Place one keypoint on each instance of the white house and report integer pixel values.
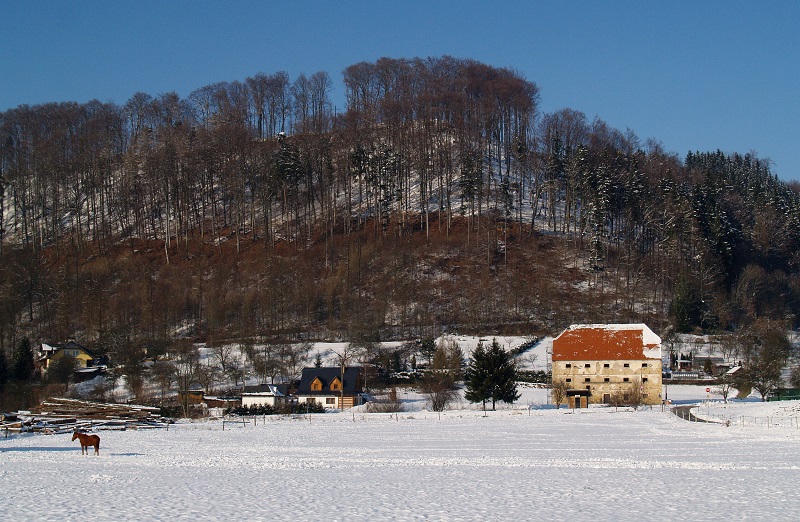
(262, 395)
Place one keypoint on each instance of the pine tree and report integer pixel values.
(3, 370)
(22, 361)
(491, 375)
(476, 378)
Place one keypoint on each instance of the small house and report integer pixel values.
(50, 353)
(333, 387)
(264, 395)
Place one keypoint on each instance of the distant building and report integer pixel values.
(264, 395)
(332, 387)
(601, 363)
(52, 352)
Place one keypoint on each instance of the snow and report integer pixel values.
(518, 463)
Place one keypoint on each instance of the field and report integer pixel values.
(520, 463)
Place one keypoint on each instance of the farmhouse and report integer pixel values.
(333, 387)
(605, 363)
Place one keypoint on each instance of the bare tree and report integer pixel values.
(724, 386)
(558, 391)
(186, 361)
(223, 353)
(163, 374)
(293, 358)
(631, 395)
(439, 381)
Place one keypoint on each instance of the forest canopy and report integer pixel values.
(441, 195)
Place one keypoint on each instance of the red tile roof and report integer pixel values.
(606, 342)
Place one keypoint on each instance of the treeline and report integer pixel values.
(435, 166)
(267, 155)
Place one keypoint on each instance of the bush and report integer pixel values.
(388, 404)
(171, 411)
(533, 376)
(283, 409)
(524, 347)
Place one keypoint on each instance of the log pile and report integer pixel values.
(65, 415)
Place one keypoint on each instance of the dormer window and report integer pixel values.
(316, 384)
(336, 385)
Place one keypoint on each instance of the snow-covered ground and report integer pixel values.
(524, 462)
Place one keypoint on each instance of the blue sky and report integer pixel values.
(694, 75)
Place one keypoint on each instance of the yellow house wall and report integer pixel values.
(82, 358)
(576, 373)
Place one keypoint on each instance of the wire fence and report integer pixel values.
(744, 421)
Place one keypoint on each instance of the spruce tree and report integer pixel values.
(491, 375)
(476, 377)
(3, 370)
(22, 361)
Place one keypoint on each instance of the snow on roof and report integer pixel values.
(263, 390)
(606, 342)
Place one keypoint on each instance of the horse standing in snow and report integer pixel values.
(86, 441)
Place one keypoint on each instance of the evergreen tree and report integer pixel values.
(686, 308)
(491, 375)
(22, 361)
(3, 370)
(476, 378)
(427, 348)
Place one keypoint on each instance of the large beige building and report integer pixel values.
(605, 363)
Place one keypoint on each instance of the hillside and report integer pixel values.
(441, 199)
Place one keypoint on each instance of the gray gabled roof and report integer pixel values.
(265, 390)
(352, 380)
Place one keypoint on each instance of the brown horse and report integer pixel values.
(86, 441)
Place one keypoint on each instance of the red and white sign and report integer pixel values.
(708, 390)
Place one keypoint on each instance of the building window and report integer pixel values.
(606, 365)
(587, 379)
(587, 365)
(644, 379)
(644, 365)
(569, 380)
(568, 365)
(588, 387)
(606, 379)
(330, 400)
(625, 379)
(626, 365)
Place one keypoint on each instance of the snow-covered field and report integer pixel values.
(518, 463)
